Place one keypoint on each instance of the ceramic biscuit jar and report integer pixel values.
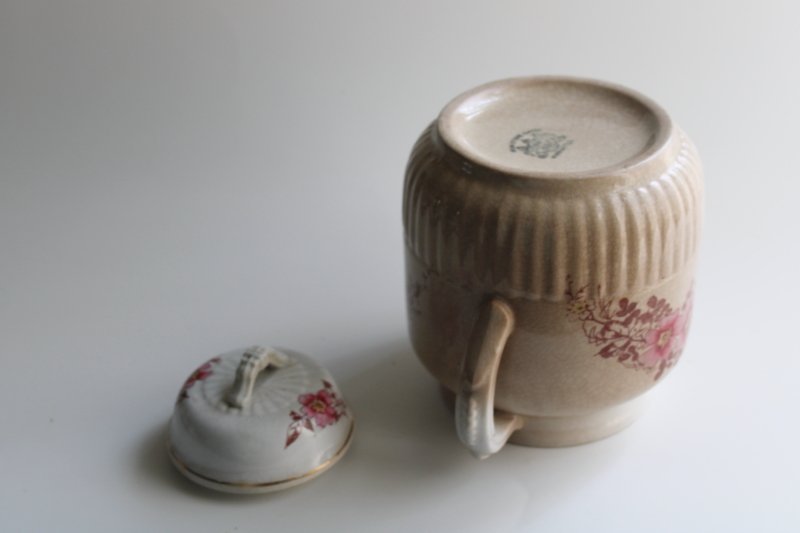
(551, 233)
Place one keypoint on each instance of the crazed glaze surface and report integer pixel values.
(578, 127)
(596, 266)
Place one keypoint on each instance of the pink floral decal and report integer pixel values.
(198, 375)
(649, 337)
(323, 408)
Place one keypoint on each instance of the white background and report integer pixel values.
(179, 178)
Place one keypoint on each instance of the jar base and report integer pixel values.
(560, 431)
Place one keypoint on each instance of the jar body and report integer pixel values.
(597, 272)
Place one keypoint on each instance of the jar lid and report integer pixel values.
(258, 420)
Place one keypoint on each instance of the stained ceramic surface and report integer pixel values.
(551, 229)
(258, 420)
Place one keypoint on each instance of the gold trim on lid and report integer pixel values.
(324, 465)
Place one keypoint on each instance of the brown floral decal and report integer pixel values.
(415, 290)
(320, 409)
(648, 337)
(198, 375)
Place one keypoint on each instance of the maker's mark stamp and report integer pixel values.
(538, 143)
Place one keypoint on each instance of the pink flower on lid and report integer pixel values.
(198, 375)
(323, 408)
(320, 406)
(663, 340)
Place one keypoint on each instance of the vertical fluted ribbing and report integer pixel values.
(578, 259)
(636, 238)
(539, 249)
(617, 243)
(597, 271)
(528, 242)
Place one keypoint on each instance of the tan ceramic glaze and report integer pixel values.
(551, 231)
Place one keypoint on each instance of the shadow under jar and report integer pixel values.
(551, 232)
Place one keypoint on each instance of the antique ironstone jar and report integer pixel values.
(551, 231)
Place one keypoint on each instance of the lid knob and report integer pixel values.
(254, 360)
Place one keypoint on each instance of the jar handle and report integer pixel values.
(482, 430)
(254, 360)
